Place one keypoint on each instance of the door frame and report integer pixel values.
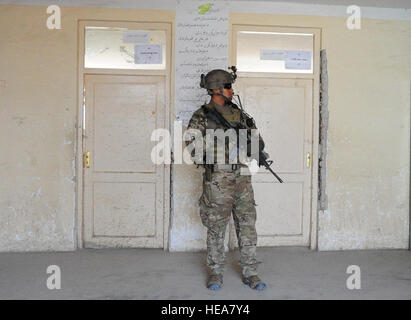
(261, 23)
(166, 25)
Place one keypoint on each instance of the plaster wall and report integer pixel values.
(38, 121)
(369, 72)
(368, 152)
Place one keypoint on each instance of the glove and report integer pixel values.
(266, 155)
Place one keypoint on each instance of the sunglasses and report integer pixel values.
(227, 86)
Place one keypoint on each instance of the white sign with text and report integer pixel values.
(201, 46)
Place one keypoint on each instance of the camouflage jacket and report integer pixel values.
(201, 122)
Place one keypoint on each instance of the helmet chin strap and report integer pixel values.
(227, 100)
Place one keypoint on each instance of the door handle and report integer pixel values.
(308, 159)
(87, 159)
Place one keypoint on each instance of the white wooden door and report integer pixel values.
(283, 110)
(123, 189)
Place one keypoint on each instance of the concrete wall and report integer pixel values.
(368, 147)
(37, 120)
(369, 75)
(368, 140)
(38, 112)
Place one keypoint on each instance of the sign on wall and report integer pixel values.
(294, 59)
(148, 54)
(201, 46)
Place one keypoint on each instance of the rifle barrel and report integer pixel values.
(271, 170)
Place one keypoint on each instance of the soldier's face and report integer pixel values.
(228, 91)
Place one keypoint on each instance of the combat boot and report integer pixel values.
(254, 282)
(215, 281)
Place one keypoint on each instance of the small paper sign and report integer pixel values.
(268, 54)
(298, 60)
(148, 54)
(132, 36)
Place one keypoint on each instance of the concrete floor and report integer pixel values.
(290, 273)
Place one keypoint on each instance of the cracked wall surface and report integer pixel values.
(324, 118)
(368, 147)
(367, 144)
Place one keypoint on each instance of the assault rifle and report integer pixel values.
(216, 116)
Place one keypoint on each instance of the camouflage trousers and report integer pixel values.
(226, 192)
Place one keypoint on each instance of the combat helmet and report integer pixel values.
(216, 79)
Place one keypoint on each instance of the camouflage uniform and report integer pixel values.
(224, 191)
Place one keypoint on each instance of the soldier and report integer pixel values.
(225, 189)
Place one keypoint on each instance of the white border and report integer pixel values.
(269, 7)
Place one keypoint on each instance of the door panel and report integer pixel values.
(118, 117)
(124, 209)
(283, 111)
(123, 188)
